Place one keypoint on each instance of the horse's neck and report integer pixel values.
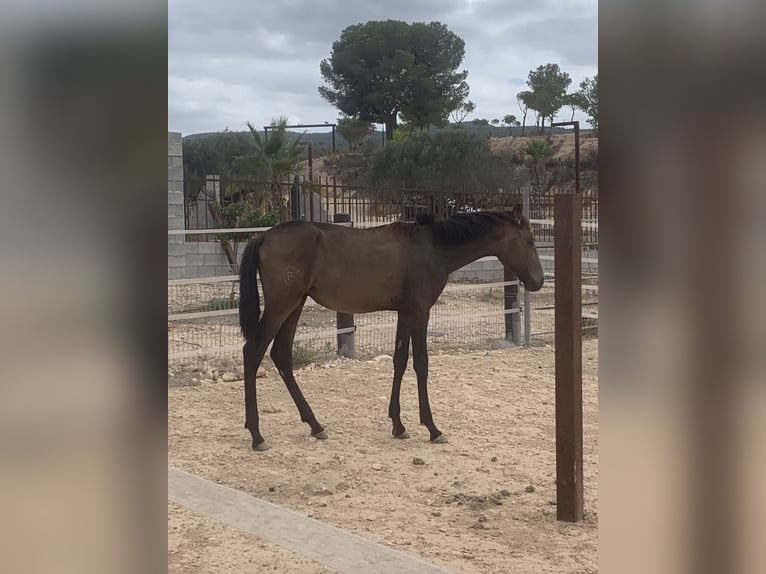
(457, 256)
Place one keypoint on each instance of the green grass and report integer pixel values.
(303, 356)
(222, 304)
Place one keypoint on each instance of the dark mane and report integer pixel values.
(465, 227)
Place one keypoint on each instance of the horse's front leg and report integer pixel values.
(401, 355)
(420, 364)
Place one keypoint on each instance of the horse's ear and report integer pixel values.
(518, 213)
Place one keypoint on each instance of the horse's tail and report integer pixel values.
(249, 298)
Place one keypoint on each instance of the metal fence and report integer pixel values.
(202, 322)
(202, 313)
(320, 199)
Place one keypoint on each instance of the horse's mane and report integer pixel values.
(465, 227)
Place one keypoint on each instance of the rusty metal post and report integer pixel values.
(346, 342)
(311, 180)
(295, 199)
(511, 299)
(567, 213)
(527, 294)
(311, 163)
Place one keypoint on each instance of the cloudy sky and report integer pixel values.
(251, 60)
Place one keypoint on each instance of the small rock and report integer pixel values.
(261, 373)
(383, 358)
(323, 487)
(436, 513)
(493, 459)
(552, 502)
(272, 489)
(530, 488)
(505, 492)
(228, 377)
(377, 466)
(322, 504)
(482, 518)
(442, 529)
(418, 461)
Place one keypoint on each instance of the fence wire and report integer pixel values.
(467, 316)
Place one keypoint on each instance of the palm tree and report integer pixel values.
(539, 152)
(273, 160)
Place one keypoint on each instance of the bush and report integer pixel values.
(444, 159)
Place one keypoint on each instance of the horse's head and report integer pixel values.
(518, 251)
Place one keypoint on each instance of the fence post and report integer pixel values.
(346, 343)
(527, 294)
(512, 320)
(567, 254)
(295, 200)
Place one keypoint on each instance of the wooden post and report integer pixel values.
(346, 343)
(567, 251)
(567, 209)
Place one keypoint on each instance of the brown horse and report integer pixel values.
(401, 267)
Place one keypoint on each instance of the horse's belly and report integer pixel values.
(345, 304)
(356, 295)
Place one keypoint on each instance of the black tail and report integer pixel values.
(249, 298)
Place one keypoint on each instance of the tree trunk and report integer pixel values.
(524, 123)
(390, 127)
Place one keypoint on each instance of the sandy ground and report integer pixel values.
(483, 503)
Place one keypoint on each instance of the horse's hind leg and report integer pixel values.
(420, 364)
(282, 355)
(253, 353)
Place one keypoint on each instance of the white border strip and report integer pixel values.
(469, 286)
(203, 280)
(201, 314)
(550, 223)
(592, 260)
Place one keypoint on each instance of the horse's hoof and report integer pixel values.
(441, 439)
(320, 435)
(403, 434)
(260, 447)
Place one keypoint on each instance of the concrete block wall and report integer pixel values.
(207, 259)
(484, 270)
(176, 248)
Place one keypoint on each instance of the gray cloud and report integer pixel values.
(250, 61)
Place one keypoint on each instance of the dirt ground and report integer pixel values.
(482, 503)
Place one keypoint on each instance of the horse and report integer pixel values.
(401, 266)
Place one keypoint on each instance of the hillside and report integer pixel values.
(347, 167)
